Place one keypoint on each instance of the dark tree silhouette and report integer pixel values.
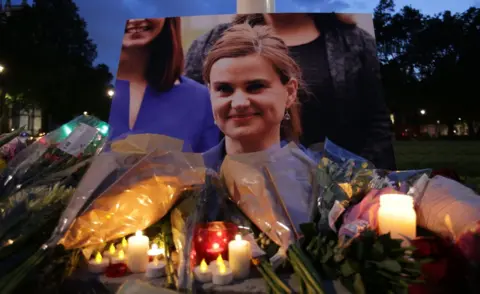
(49, 57)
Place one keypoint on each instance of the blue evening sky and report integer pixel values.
(106, 18)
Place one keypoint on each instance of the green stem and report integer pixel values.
(269, 280)
(304, 272)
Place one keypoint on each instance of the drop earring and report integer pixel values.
(287, 115)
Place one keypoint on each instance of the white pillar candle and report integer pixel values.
(239, 256)
(213, 266)
(98, 264)
(202, 273)
(119, 258)
(155, 269)
(223, 275)
(397, 216)
(255, 6)
(137, 253)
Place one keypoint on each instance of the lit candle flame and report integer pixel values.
(220, 260)
(238, 237)
(215, 246)
(124, 243)
(139, 233)
(98, 258)
(111, 249)
(222, 268)
(154, 246)
(203, 266)
(219, 233)
(121, 255)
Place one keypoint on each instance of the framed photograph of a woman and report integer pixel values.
(342, 100)
(152, 95)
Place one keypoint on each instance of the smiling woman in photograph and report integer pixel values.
(253, 85)
(152, 95)
(342, 100)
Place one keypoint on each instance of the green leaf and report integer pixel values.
(359, 252)
(326, 256)
(346, 269)
(358, 285)
(377, 251)
(385, 274)
(390, 265)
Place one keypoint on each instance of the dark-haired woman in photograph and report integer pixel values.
(343, 99)
(152, 96)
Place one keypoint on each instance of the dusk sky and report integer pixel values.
(106, 18)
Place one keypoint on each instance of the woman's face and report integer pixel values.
(248, 99)
(140, 32)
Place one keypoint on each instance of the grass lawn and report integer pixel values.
(461, 156)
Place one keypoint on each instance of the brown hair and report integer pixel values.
(166, 56)
(243, 40)
(323, 21)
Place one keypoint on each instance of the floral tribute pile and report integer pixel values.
(145, 207)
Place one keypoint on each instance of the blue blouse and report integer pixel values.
(213, 158)
(184, 112)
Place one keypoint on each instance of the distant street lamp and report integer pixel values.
(85, 113)
(438, 122)
(2, 68)
(460, 118)
(110, 93)
(423, 112)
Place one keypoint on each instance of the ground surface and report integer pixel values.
(461, 156)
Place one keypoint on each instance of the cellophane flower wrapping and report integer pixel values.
(274, 189)
(140, 197)
(108, 166)
(451, 210)
(203, 226)
(58, 150)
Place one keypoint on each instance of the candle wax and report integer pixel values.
(397, 216)
(137, 255)
(119, 258)
(98, 264)
(155, 269)
(202, 273)
(239, 255)
(214, 264)
(223, 276)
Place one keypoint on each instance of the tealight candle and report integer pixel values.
(137, 255)
(155, 251)
(119, 258)
(202, 273)
(98, 264)
(155, 269)
(239, 255)
(214, 264)
(123, 245)
(397, 216)
(223, 275)
(111, 251)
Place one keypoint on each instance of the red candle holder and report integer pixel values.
(211, 240)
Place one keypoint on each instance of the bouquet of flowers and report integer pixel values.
(136, 185)
(58, 150)
(30, 211)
